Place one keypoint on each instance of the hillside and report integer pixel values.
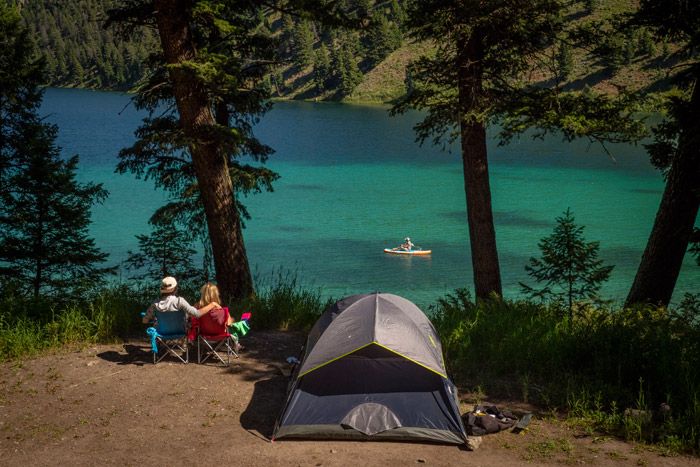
(318, 63)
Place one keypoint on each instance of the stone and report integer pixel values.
(473, 442)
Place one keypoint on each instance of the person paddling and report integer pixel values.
(408, 246)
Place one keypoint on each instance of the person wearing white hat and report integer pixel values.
(169, 301)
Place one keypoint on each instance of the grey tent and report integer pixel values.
(372, 369)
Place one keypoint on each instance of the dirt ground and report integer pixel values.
(109, 404)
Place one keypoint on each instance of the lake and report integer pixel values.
(353, 182)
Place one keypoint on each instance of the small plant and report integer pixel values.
(569, 267)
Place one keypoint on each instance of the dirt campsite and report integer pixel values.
(110, 405)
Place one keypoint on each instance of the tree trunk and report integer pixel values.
(482, 234)
(668, 242)
(215, 187)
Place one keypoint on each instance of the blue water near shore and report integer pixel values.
(354, 182)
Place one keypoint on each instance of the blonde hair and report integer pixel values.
(209, 293)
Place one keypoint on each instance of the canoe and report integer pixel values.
(404, 252)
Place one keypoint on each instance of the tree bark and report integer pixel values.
(663, 257)
(215, 187)
(482, 234)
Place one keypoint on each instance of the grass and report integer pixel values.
(629, 373)
(29, 327)
(283, 303)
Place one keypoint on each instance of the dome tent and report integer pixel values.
(372, 369)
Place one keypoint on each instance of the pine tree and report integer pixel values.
(166, 251)
(20, 95)
(321, 69)
(480, 48)
(565, 61)
(381, 40)
(675, 152)
(287, 35)
(350, 74)
(481, 74)
(695, 245)
(303, 44)
(591, 5)
(569, 267)
(44, 221)
(212, 59)
(397, 14)
(44, 211)
(646, 43)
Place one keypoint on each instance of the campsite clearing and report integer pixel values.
(109, 404)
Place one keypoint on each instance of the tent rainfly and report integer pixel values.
(372, 369)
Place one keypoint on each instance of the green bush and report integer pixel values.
(282, 303)
(31, 326)
(642, 358)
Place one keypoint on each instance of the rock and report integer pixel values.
(473, 442)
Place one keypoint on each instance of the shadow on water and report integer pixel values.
(644, 191)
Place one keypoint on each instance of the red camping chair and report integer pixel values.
(213, 337)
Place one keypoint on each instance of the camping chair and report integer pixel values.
(214, 338)
(170, 336)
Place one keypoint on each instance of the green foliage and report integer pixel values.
(565, 61)
(79, 51)
(302, 40)
(695, 245)
(44, 221)
(20, 95)
(32, 326)
(591, 5)
(283, 303)
(233, 54)
(508, 41)
(349, 72)
(382, 39)
(72, 37)
(44, 211)
(322, 69)
(673, 151)
(569, 268)
(166, 251)
(593, 367)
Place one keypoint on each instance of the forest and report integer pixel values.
(366, 63)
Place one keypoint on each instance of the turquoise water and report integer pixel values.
(354, 182)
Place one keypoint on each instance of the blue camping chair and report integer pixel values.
(170, 337)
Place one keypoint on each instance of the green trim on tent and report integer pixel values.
(395, 434)
(337, 358)
(377, 344)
